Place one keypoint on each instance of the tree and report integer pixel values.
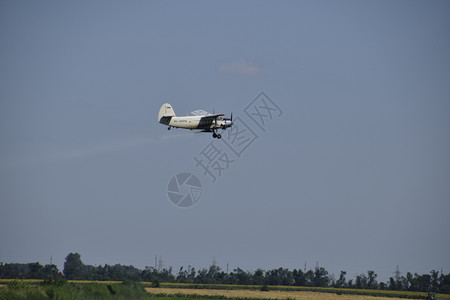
(279, 276)
(182, 276)
(372, 282)
(213, 273)
(309, 278)
(191, 274)
(74, 267)
(350, 284)
(36, 271)
(444, 284)
(239, 276)
(321, 277)
(361, 281)
(392, 285)
(202, 276)
(51, 271)
(15, 271)
(299, 277)
(423, 282)
(434, 281)
(258, 277)
(340, 283)
(149, 274)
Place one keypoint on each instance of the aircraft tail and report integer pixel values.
(165, 113)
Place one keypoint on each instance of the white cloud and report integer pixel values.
(240, 67)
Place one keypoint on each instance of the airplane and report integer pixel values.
(200, 119)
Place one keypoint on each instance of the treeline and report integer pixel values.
(75, 269)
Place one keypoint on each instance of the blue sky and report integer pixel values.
(353, 175)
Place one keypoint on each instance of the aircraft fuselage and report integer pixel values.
(195, 122)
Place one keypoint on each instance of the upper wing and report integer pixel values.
(212, 116)
(205, 114)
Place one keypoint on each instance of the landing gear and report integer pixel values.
(217, 135)
(168, 128)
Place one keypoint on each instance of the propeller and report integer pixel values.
(229, 119)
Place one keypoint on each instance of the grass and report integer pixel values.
(16, 290)
(61, 289)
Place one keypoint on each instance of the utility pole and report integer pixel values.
(397, 274)
(160, 263)
(51, 260)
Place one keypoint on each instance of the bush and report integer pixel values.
(155, 283)
(128, 290)
(264, 288)
(21, 290)
(54, 282)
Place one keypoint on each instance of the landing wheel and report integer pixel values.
(214, 135)
(168, 128)
(219, 136)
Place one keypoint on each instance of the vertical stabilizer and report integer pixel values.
(166, 110)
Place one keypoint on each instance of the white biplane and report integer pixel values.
(200, 119)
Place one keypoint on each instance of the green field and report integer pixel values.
(62, 289)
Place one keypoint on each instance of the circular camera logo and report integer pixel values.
(184, 190)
